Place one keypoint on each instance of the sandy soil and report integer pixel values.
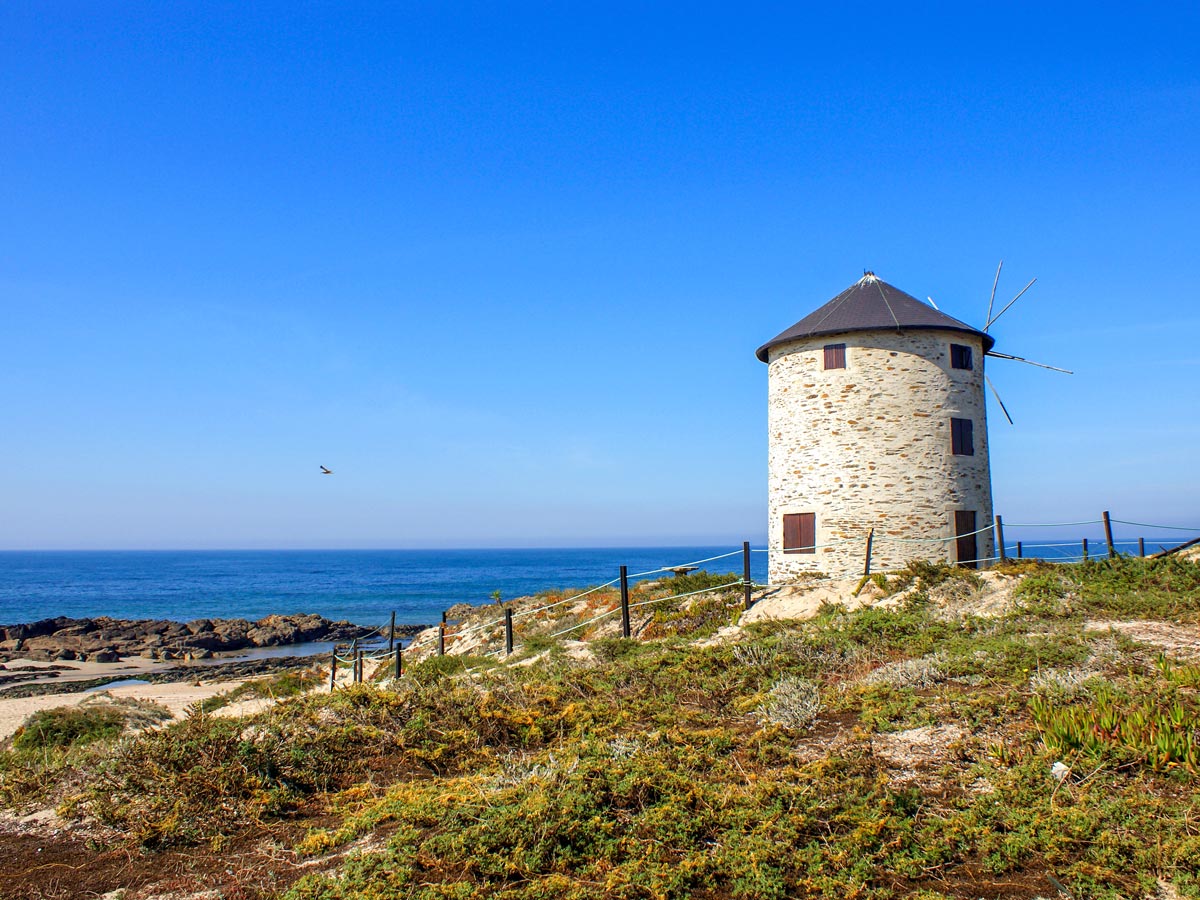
(175, 696)
(803, 601)
(1182, 641)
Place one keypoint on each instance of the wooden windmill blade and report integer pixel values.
(992, 298)
(1028, 362)
(991, 320)
(1003, 408)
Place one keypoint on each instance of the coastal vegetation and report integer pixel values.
(276, 687)
(902, 749)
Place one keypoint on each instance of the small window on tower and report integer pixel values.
(835, 356)
(960, 357)
(962, 437)
(800, 533)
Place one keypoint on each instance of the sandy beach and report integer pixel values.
(175, 696)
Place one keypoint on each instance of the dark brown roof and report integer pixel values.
(871, 305)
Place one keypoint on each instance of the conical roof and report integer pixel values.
(871, 304)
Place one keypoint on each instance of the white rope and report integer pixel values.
(1167, 527)
(599, 587)
(896, 540)
(695, 562)
(688, 594)
(474, 628)
(416, 646)
(1060, 543)
(1052, 524)
(588, 622)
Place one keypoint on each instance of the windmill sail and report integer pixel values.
(992, 299)
(988, 351)
(991, 320)
(1029, 362)
(1003, 408)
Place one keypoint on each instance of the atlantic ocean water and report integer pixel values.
(362, 586)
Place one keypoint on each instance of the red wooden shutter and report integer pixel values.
(799, 532)
(808, 532)
(791, 532)
(835, 356)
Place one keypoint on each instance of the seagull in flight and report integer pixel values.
(325, 471)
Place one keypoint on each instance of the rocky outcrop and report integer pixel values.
(105, 640)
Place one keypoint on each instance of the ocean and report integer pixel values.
(362, 586)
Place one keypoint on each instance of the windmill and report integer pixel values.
(991, 320)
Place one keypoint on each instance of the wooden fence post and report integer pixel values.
(442, 637)
(1112, 550)
(1020, 551)
(625, 630)
(1000, 538)
(392, 632)
(362, 668)
(870, 542)
(333, 669)
(508, 632)
(397, 663)
(1141, 546)
(746, 573)
(1085, 550)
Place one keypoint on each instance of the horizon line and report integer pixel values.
(655, 546)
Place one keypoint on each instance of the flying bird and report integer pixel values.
(325, 471)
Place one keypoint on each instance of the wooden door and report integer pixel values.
(964, 530)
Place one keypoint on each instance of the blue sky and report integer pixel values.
(504, 267)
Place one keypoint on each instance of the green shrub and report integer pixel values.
(700, 580)
(694, 617)
(1123, 587)
(68, 726)
(72, 726)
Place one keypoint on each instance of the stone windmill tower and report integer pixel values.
(876, 420)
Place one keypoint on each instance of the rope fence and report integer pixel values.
(435, 642)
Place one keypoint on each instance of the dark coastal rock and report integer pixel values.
(103, 639)
(40, 628)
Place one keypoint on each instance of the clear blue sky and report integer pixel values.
(503, 267)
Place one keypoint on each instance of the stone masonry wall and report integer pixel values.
(869, 445)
